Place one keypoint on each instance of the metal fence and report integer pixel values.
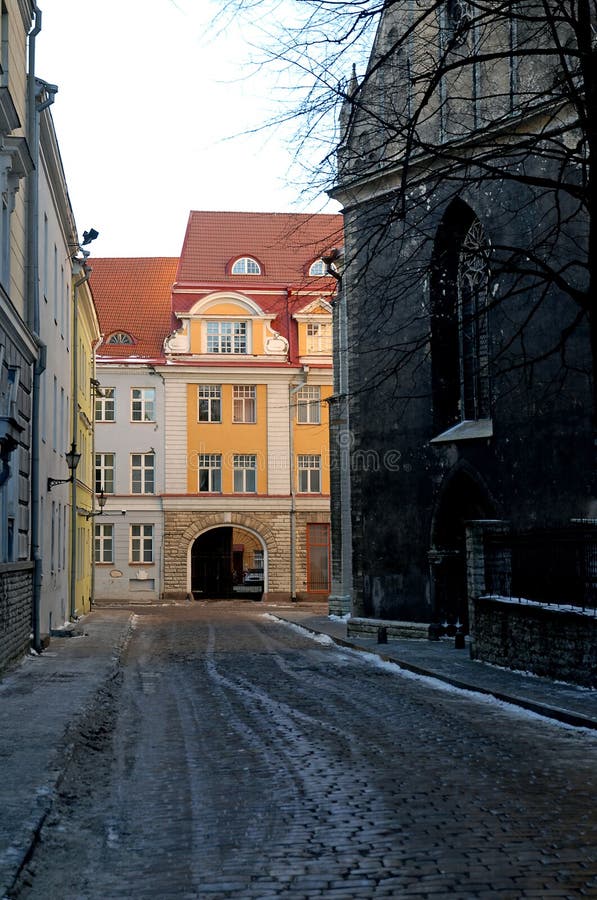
(556, 566)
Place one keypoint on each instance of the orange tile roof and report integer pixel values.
(285, 244)
(133, 294)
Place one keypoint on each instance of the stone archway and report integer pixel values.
(227, 562)
(463, 498)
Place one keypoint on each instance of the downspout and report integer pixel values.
(75, 430)
(33, 322)
(293, 387)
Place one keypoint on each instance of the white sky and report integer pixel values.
(150, 100)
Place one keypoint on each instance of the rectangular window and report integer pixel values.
(244, 403)
(141, 544)
(226, 337)
(142, 473)
(104, 404)
(104, 472)
(309, 474)
(245, 473)
(210, 403)
(318, 558)
(210, 473)
(308, 405)
(319, 337)
(103, 543)
(143, 404)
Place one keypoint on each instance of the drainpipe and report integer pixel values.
(293, 388)
(32, 307)
(75, 430)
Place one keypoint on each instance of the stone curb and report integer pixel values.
(542, 709)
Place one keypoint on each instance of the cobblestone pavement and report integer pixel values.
(235, 757)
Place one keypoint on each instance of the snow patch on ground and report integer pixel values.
(394, 668)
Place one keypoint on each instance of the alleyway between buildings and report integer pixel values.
(233, 756)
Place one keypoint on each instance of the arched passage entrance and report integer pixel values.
(227, 562)
(462, 500)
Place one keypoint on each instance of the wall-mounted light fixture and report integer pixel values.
(72, 460)
(101, 502)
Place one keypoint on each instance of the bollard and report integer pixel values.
(382, 635)
(435, 631)
(459, 641)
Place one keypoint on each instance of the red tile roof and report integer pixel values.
(133, 295)
(284, 244)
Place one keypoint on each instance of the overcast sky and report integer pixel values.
(150, 100)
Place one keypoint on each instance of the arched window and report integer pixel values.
(120, 337)
(459, 337)
(246, 265)
(317, 268)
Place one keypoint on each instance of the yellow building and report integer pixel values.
(232, 425)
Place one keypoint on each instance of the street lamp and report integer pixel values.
(72, 461)
(101, 502)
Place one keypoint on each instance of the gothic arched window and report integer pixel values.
(459, 337)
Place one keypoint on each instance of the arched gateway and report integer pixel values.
(227, 562)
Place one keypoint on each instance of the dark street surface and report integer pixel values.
(234, 756)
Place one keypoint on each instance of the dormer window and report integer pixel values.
(317, 268)
(227, 337)
(246, 265)
(120, 337)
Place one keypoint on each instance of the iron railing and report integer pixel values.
(555, 566)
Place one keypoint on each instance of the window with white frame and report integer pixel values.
(210, 403)
(210, 473)
(103, 551)
(244, 403)
(309, 474)
(142, 473)
(317, 268)
(245, 473)
(104, 472)
(227, 337)
(319, 337)
(246, 265)
(141, 544)
(308, 405)
(104, 404)
(143, 404)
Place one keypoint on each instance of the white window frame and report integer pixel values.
(317, 268)
(105, 467)
(143, 401)
(245, 473)
(105, 405)
(211, 397)
(143, 473)
(209, 466)
(308, 405)
(229, 337)
(141, 544)
(246, 265)
(244, 404)
(309, 473)
(103, 543)
(319, 338)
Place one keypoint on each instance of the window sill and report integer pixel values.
(470, 429)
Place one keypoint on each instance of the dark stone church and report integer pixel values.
(462, 428)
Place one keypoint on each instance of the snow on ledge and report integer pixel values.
(557, 607)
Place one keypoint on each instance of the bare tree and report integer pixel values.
(449, 100)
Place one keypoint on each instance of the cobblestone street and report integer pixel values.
(235, 756)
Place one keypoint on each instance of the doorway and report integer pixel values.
(227, 563)
(463, 500)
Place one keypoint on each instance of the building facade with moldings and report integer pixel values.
(237, 360)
